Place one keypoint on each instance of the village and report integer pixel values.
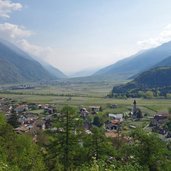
(33, 118)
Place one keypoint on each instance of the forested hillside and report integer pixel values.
(157, 80)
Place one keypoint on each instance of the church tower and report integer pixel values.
(134, 109)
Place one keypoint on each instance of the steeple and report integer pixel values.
(134, 109)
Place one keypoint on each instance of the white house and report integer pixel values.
(116, 116)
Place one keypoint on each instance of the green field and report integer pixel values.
(85, 94)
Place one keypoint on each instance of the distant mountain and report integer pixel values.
(17, 66)
(84, 73)
(155, 79)
(51, 69)
(54, 71)
(164, 63)
(137, 63)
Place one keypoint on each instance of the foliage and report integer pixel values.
(18, 152)
(13, 120)
(72, 148)
(149, 94)
(66, 142)
(148, 150)
(152, 83)
(97, 122)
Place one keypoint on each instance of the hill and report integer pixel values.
(84, 73)
(52, 70)
(137, 63)
(165, 62)
(17, 66)
(157, 80)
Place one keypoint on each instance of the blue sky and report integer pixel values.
(78, 34)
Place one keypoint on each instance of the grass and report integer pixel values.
(85, 94)
(38, 111)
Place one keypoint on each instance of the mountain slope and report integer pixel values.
(17, 66)
(155, 79)
(84, 73)
(52, 70)
(165, 62)
(137, 63)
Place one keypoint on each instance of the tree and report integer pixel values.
(139, 113)
(149, 94)
(97, 122)
(169, 111)
(2, 120)
(13, 120)
(18, 152)
(98, 145)
(62, 150)
(141, 94)
(168, 95)
(149, 151)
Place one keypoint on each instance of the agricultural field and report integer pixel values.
(85, 94)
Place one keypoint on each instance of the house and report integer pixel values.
(158, 123)
(116, 116)
(94, 109)
(27, 118)
(21, 129)
(159, 119)
(48, 110)
(39, 106)
(112, 125)
(83, 112)
(21, 108)
(114, 121)
(168, 135)
(161, 116)
(11, 109)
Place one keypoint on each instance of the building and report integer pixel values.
(21, 108)
(116, 116)
(83, 112)
(94, 109)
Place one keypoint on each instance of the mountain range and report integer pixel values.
(18, 66)
(156, 79)
(136, 64)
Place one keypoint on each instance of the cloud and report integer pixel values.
(6, 7)
(35, 50)
(18, 35)
(163, 37)
(10, 31)
(67, 58)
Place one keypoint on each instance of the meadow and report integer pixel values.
(85, 94)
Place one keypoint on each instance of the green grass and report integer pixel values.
(38, 111)
(85, 94)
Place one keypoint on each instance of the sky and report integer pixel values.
(75, 35)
